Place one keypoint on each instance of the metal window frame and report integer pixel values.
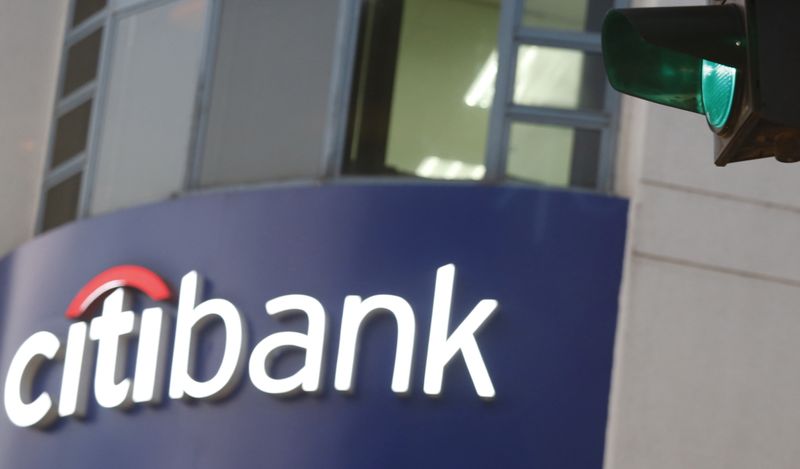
(344, 60)
(499, 125)
(606, 170)
(504, 112)
(205, 85)
(62, 104)
(87, 182)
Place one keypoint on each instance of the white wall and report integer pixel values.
(707, 373)
(31, 34)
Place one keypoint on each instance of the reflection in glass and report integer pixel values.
(433, 167)
(559, 78)
(61, 202)
(553, 155)
(572, 15)
(481, 91)
(546, 77)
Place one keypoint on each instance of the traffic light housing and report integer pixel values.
(736, 62)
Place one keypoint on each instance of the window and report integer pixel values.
(482, 90)
(160, 96)
(145, 127)
(125, 105)
(411, 113)
(156, 97)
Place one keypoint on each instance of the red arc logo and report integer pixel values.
(132, 276)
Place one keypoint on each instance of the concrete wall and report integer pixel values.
(706, 369)
(31, 34)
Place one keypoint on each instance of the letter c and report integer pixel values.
(38, 412)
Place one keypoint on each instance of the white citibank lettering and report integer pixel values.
(117, 324)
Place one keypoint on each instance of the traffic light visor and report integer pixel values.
(642, 69)
(684, 57)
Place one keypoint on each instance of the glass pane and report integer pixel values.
(553, 155)
(429, 117)
(61, 202)
(82, 59)
(147, 121)
(268, 116)
(86, 8)
(72, 130)
(559, 78)
(573, 15)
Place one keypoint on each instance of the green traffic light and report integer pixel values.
(718, 90)
(682, 57)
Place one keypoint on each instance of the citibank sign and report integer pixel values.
(116, 324)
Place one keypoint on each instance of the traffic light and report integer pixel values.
(736, 62)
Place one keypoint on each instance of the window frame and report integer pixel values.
(85, 162)
(79, 163)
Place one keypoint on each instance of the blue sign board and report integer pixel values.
(550, 259)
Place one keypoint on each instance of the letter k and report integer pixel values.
(442, 349)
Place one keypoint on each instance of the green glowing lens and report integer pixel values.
(718, 86)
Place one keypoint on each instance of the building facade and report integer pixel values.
(364, 151)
